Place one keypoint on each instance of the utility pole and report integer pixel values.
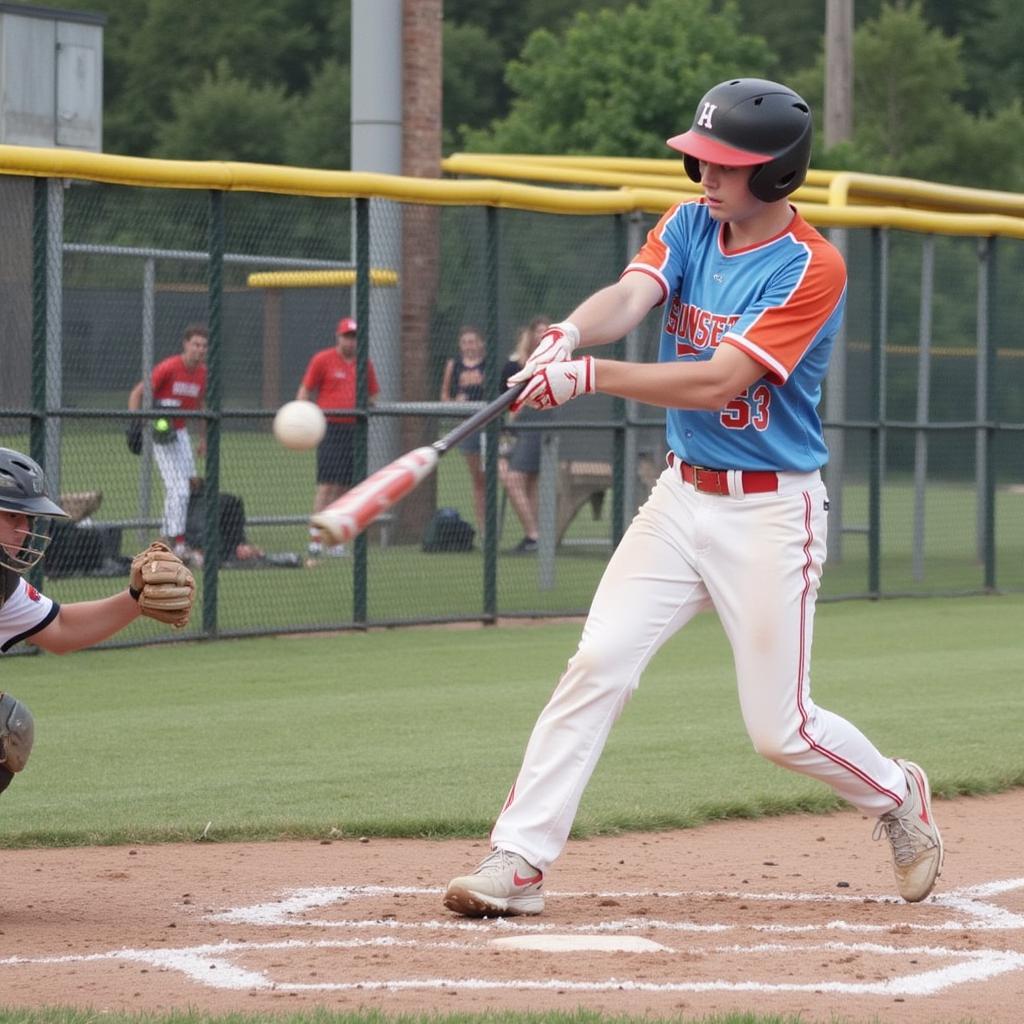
(838, 71)
(838, 128)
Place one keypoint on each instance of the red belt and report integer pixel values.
(716, 481)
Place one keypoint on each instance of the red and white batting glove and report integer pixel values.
(559, 383)
(556, 345)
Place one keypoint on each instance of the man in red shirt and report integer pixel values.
(331, 376)
(178, 382)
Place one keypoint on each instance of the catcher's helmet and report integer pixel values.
(751, 122)
(23, 489)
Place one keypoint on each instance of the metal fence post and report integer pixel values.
(634, 239)
(985, 432)
(148, 350)
(214, 392)
(835, 413)
(360, 569)
(37, 421)
(54, 428)
(620, 464)
(547, 510)
(924, 366)
(879, 279)
(492, 370)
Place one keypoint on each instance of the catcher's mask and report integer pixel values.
(23, 490)
(751, 122)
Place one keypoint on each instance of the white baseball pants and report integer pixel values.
(177, 467)
(757, 559)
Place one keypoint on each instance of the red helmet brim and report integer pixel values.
(711, 151)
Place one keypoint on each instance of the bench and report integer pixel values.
(579, 483)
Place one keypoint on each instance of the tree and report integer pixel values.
(154, 49)
(907, 117)
(620, 82)
(994, 50)
(226, 118)
(473, 81)
(320, 133)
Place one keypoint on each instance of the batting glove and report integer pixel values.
(556, 345)
(559, 383)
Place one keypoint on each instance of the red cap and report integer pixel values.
(710, 150)
(346, 325)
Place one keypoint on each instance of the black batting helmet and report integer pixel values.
(23, 489)
(751, 122)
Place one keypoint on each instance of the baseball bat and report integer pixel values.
(358, 508)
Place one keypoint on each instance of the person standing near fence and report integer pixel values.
(330, 380)
(753, 297)
(178, 384)
(463, 381)
(520, 467)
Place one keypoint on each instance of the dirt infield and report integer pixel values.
(786, 915)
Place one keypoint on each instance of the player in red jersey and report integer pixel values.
(331, 378)
(178, 383)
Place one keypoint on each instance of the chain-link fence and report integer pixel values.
(924, 407)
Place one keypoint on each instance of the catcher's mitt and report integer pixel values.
(133, 436)
(163, 585)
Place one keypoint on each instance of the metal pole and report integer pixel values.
(981, 392)
(547, 510)
(211, 483)
(359, 552)
(54, 330)
(924, 365)
(622, 465)
(877, 443)
(492, 371)
(835, 412)
(838, 126)
(986, 432)
(37, 422)
(376, 136)
(634, 239)
(148, 350)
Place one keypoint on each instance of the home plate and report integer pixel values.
(573, 943)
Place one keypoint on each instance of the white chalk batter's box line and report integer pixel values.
(213, 966)
(970, 903)
(218, 965)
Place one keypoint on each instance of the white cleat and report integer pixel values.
(503, 883)
(914, 837)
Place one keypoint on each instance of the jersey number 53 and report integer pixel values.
(751, 408)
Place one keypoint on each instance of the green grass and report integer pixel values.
(419, 732)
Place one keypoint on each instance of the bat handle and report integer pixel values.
(480, 418)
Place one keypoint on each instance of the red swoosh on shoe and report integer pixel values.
(921, 793)
(532, 880)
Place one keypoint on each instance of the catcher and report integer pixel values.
(160, 587)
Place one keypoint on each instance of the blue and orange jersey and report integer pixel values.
(781, 302)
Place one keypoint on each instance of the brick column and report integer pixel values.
(420, 270)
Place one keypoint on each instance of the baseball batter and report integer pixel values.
(752, 299)
(160, 587)
(179, 384)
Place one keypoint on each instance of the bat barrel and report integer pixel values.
(358, 508)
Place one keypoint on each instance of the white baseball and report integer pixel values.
(300, 425)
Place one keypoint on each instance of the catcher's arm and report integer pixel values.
(161, 587)
(85, 623)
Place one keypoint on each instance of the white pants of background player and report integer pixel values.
(757, 560)
(177, 467)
